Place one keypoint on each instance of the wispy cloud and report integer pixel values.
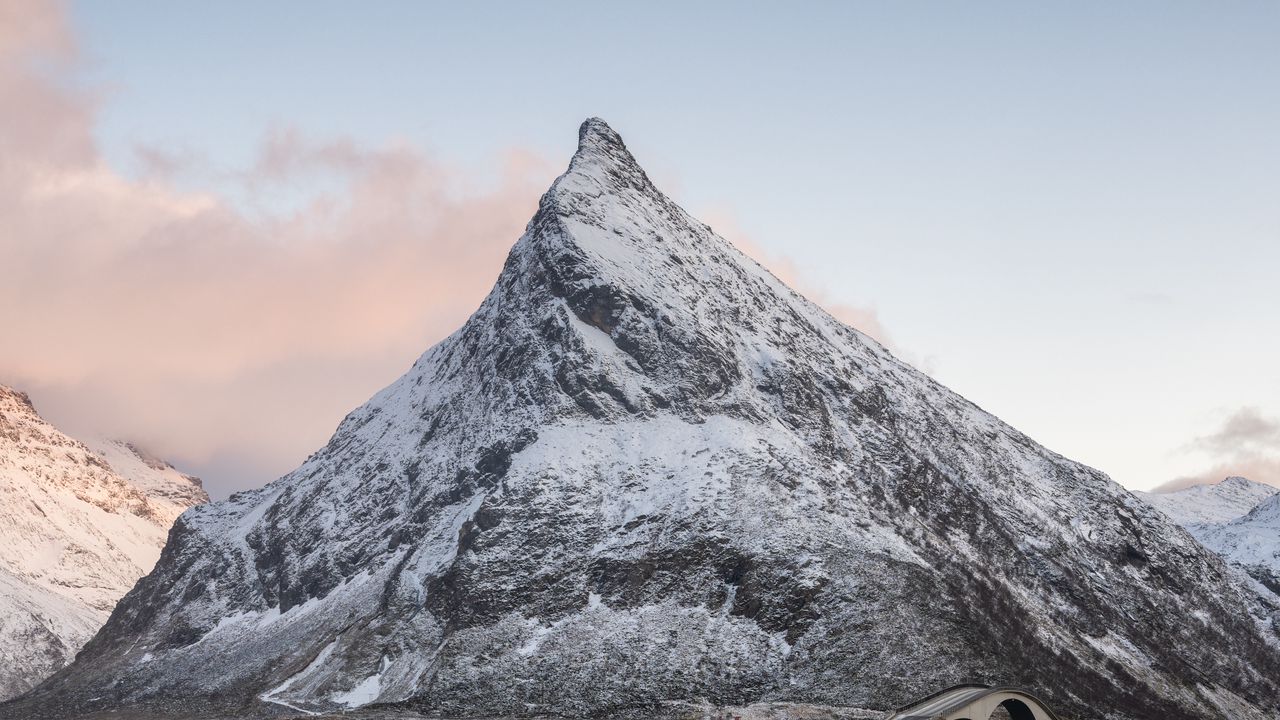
(1246, 444)
(174, 318)
(1244, 431)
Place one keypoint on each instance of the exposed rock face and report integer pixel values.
(76, 532)
(646, 470)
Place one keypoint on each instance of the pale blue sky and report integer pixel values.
(1070, 212)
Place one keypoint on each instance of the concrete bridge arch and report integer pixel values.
(975, 702)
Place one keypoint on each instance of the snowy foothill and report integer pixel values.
(79, 524)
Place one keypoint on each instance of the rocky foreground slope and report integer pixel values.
(647, 470)
(77, 530)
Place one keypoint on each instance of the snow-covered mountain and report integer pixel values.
(77, 530)
(1240, 520)
(1252, 543)
(647, 470)
(1211, 504)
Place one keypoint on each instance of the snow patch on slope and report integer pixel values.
(367, 691)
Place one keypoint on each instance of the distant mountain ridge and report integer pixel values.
(1211, 504)
(77, 530)
(169, 489)
(646, 470)
(1238, 519)
(1252, 543)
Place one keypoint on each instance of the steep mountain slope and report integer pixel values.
(75, 535)
(40, 631)
(645, 469)
(1211, 504)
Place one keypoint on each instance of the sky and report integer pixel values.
(225, 225)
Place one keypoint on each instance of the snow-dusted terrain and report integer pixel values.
(1252, 543)
(1240, 520)
(1211, 504)
(169, 491)
(77, 530)
(645, 471)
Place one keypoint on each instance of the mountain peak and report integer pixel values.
(595, 131)
(15, 400)
(604, 156)
(1218, 502)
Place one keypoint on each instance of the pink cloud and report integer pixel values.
(172, 318)
(50, 127)
(1258, 468)
(1247, 444)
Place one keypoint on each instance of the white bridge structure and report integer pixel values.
(976, 702)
